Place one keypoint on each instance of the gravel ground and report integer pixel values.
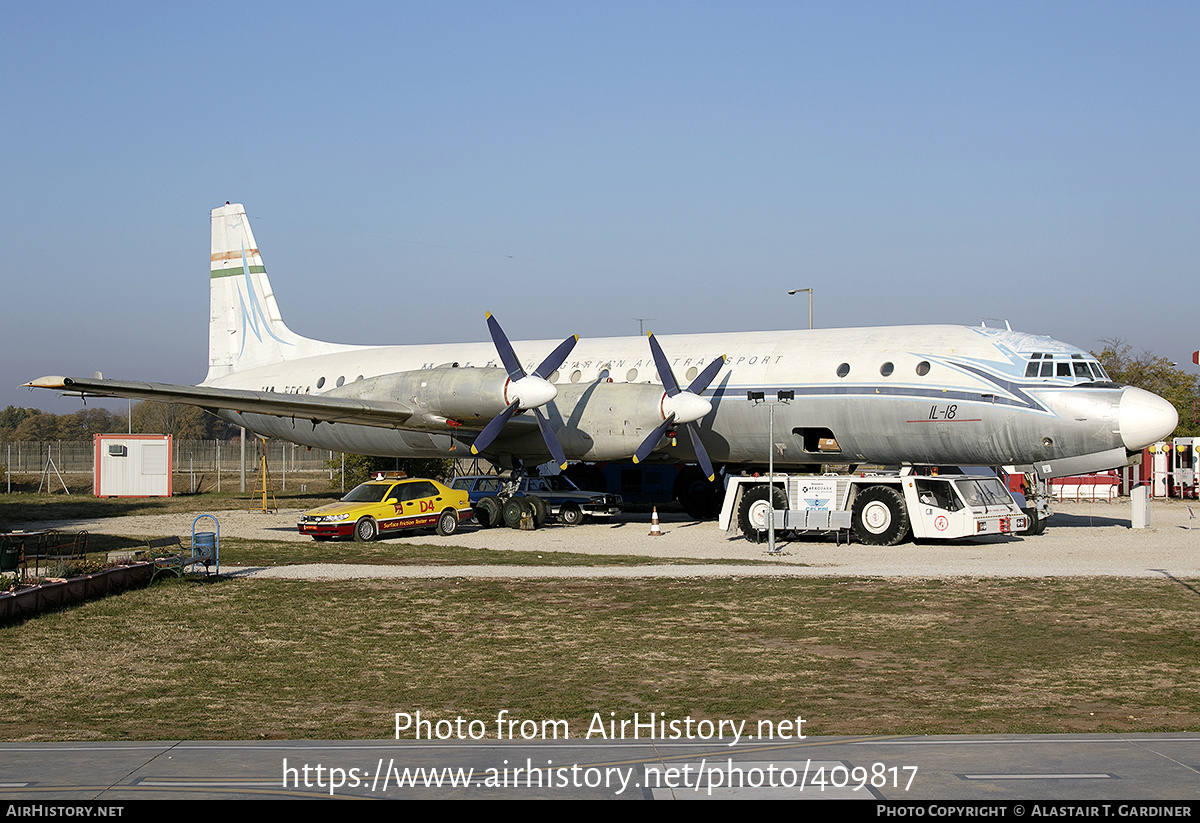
(1083, 540)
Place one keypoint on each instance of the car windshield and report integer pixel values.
(367, 493)
(984, 492)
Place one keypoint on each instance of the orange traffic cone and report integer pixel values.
(655, 531)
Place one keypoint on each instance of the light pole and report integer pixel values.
(810, 299)
(757, 397)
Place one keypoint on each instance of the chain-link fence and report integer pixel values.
(211, 464)
(25, 456)
(198, 465)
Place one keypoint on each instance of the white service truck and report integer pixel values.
(880, 509)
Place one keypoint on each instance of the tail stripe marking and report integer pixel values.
(252, 316)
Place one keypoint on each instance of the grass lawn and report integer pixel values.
(247, 659)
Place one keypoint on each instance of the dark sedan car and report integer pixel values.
(559, 498)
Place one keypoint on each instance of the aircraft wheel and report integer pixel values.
(538, 505)
(755, 509)
(570, 515)
(365, 530)
(1037, 523)
(1032, 514)
(447, 523)
(488, 511)
(880, 517)
(514, 507)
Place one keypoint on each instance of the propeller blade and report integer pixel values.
(705, 377)
(556, 450)
(701, 452)
(555, 358)
(529, 391)
(507, 356)
(687, 406)
(664, 367)
(492, 429)
(649, 444)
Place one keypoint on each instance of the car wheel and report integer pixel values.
(571, 515)
(755, 509)
(880, 518)
(514, 507)
(447, 523)
(365, 530)
(487, 511)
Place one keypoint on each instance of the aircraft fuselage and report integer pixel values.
(918, 394)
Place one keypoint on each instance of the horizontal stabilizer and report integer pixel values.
(317, 408)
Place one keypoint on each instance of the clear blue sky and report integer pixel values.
(574, 166)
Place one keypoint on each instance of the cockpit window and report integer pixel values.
(1077, 369)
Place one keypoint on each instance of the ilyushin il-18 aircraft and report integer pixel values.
(904, 395)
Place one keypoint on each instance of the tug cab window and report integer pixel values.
(937, 493)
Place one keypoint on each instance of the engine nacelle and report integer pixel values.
(592, 421)
(468, 395)
(604, 421)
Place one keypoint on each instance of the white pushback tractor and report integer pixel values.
(879, 509)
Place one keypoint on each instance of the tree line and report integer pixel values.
(1158, 375)
(149, 417)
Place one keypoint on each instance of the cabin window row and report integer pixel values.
(341, 381)
(887, 369)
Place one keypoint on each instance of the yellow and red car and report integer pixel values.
(379, 507)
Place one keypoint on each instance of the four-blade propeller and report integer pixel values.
(525, 391)
(681, 406)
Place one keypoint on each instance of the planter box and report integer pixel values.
(34, 600)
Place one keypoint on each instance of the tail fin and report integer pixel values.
(245, 328)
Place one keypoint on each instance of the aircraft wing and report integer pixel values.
(315, 408)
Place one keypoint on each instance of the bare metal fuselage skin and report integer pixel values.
(952, 395)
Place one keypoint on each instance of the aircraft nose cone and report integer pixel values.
(1145, 418)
